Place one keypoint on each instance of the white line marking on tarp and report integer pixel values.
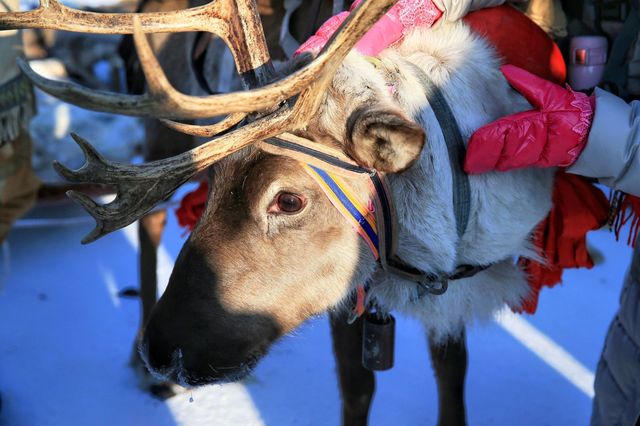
(112, 286)
(547, 350)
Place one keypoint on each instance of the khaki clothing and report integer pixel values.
(18, 184)
(549, 16)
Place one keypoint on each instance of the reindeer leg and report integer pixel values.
(449, 360)
(150, 229)
(357, 384)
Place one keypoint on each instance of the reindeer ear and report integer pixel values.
(383, 139)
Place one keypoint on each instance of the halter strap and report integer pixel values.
(455, 147)
(361, 217)
(377, 222)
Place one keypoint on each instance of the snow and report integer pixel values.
(66, 339)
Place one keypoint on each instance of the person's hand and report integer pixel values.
(406, 14)
(553, 134)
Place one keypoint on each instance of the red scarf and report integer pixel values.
(192, 205)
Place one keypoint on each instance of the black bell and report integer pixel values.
(378, 341)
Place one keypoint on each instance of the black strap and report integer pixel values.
(430, 282)
(292, 146)
(455, 147)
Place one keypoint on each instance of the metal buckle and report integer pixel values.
(432, 287)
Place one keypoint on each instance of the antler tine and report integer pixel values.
(186, 107)
(94, 163)
(138, 190)
(205, 131)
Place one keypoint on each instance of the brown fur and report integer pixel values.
(235, 225)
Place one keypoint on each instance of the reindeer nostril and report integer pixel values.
(156, 349)
(161, 371)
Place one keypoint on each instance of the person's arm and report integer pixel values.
(612, 151)
(562, 130)
(457, 9)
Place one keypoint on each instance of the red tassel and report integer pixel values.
(191, 206)
(625, 209)
(578, 207)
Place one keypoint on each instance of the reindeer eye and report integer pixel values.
(286, 202)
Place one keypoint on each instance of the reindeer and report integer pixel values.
(194, 65)
(271, 250)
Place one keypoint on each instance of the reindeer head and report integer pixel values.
(270, 250)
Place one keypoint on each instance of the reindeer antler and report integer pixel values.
(235, 21)
(141, 187)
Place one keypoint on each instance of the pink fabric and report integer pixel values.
(405, 15)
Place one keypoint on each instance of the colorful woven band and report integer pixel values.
(361, 217)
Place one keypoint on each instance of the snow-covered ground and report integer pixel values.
(65, 339)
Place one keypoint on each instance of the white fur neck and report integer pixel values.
(505, 207)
